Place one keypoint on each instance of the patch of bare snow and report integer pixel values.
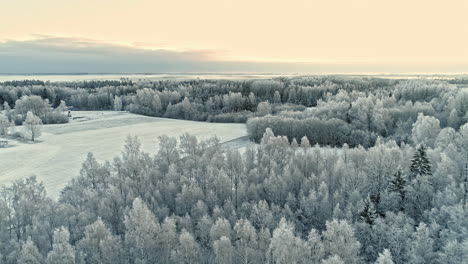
(62, 148)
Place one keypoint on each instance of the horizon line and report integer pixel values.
(238, 73)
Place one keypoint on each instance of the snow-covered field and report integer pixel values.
(58, 155)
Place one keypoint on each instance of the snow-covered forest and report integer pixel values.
(346, 170)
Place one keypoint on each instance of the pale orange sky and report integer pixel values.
(391, 31)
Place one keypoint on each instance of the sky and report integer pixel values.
(306, 36)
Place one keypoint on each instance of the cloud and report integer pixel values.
(75, 55)
(49, 54)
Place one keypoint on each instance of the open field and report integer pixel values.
(58, 155)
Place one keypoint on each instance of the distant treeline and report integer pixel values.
(359, 117)
(328, 110)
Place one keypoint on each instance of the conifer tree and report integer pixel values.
(368, 213)
(398, 185)
(420, 163)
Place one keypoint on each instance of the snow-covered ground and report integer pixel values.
(61, 149)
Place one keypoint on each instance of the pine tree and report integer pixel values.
(398, 185)
(368, 213)
(420, 164)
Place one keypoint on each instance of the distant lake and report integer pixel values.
(195, 76)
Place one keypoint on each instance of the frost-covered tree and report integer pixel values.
(118, 104)
(368, 213)
(142, 233)
(454, 120)
(29, 254)
(187, 250)
(246, 242)
(12, 127)
(35, 104)
(339, 240)
(224, 251)
(168, 239)
(335, 259)
(445, 137)
(168, 153)
(384, 258)
(222, 227)
(421, 246)
(4, 125)
(315, 245)
(99, 245)
(398, 185)
(277, 98)
(6, 108)
(146, 101)
(263, 108)
(62, 252)
(285, 247)
(62, 107)
(420, 189)
(420, 197)
(420, 164)
(425, 130)
(305, 143)
(455, 252)
(294, 143)
(32, 126)
(462, 146)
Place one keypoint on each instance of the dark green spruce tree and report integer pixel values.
(420, 163)
(398, 184)
(368, 213)
(419, 198)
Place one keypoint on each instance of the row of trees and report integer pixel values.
(37, 106)
(31, 112)
(369, 107)
(349, 99)
(280, 202)
(32, 127)
(358, 118)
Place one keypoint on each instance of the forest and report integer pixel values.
(346, 170)
(357, 110)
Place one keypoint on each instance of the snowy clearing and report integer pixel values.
(58, 155)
